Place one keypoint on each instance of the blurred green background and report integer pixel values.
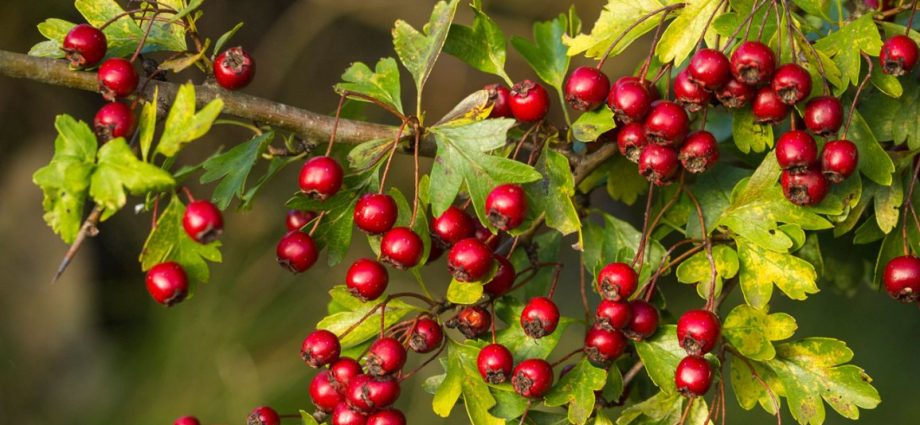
(94, 349)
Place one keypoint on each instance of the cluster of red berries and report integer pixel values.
(698, 332)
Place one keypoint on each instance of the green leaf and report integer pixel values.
(274, 167)
(513, 337)
(54, 30)
(183, 124)
(681, 36)
(615, 19)
(546, 245)
(845, 45)
(350, 310)
(749, 391)
(464, 293)
(118, 169)
(751, 331)
(590, 125)
(382, 83)
(624, 183)
(748, 135)
(888, 200)
(666, 408)
(451, 387)
(697, 270)
(761, 268)
(546, 54)
(232, 168)
(713, 190)
(335, 233)
(887, 84)
(463, 379)
(819, 8)
(894, 119)
(65, 180)
(660, 355)
(224, 38)
(874, 162)
(169, 242)
(123, 35)
(369, 154)
(577, 390)
(554, 193)
(148, 123)
(307, 419)
(618, 241)
(481, 46)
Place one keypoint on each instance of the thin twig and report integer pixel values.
(859, 89)
(708, 245)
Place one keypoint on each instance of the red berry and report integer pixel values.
(375, 213)
(472, 321)
(796, 151)
(898, 55)
(495, 363)
(693, 376)
(644, 320)
(469, 260)
(485, 235)
(263, 415)
(823, 115)
(343, 370)
(658, 164)
(323, 393)
(710, 68)
(768, 108)
(539, 317)
(631, 139)
(167, 283)
(503, 279)
(805, 188)
(753, 63)
(234, 68)
(202, 221)
(532, 378)
(529, 101)
(500, 97)
(426, 336)
(603, 346)
(345, 415)
(792, 83)
(117, 78)
(506, 206)
(385, 356)
(690, 94)
(320, 348)
(297, 219)
(366, 393)
(698, 331)
(387, 417)
(667, 124)
(296, 252)
(321, 177)
(586, 88)
(699, 152)
(630, 101)
(187, 420)
(112, 121)
(612, 315)
(451, 226)
(84, 46)
(902, 278)
(839, 160)
(401, 248)
(617, 281)
(735, 94)
(367, 279)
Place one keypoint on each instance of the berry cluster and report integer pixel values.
(698, 332)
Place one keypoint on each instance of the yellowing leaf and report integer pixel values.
(682, 35)
(616, 17)
(183, 124)
(762, 268)
(751, 331)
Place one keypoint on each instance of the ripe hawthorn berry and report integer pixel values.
(323, 393)
(387, 417)
(839, 160)
(506, 206)
(385, 356)
(471, 321)
(451, 226)
(902, 278)
(631, 139)
(503, 279)
(117, 78)
(187, 420)
(699, 152)
(297, 219)
(603, 346)
(792, 83)
(698, 331)
(401, 248)
(296, 252)
(658, 164)
(343, 370)
(346, 415)
(586, 88)
(375, 213)
(84, 46)
(367, 279)
(426, 335)
(321, 177)
(500, 97)
(529, 101)
(735, 94)
(469, 260)
(898, 55)
(539, 317)
(629, 100)
(693, 376)
(768, 108)
(617, 281)
(202, 221)
(805, 188)
(234, 68)
(320, 348)
(167, 283)
(263, 415)
(644, 321)
(532, 378)
(612, 315)
(495, 363)
(753, 63)
(112, 121)
(367, 393)
(667, 124)
(710, 69)
(823, 115)
(689, 93)
(796, 151)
